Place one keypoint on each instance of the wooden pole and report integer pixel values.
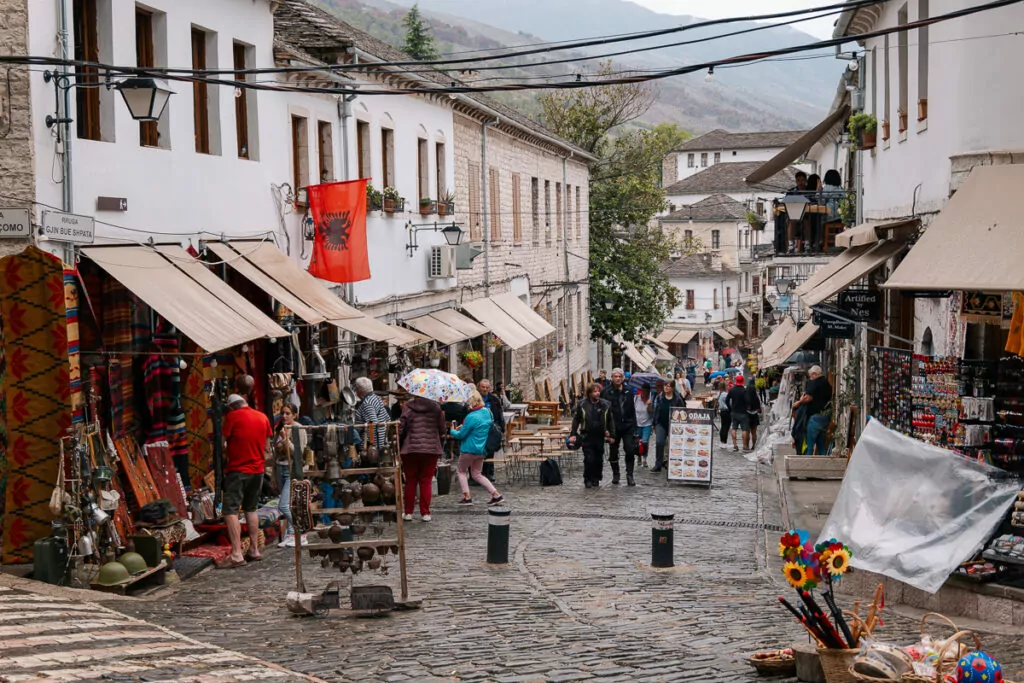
(300, 585)
(399, 511)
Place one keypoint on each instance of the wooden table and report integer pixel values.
(549, 408)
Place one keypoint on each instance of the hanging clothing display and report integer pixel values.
(162, 383)
(74, 351)
(118, 311)
(195, 401)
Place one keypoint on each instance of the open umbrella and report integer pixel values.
(638, 379)
(718, 373)
(436, 385)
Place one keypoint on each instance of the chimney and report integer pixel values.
(716, 260)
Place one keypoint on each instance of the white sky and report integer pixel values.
(820, 28)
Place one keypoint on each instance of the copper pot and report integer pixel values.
(371, 494)
(383, 550)
(357, 566)
(365, 552)
(347, 496)
(388, 491)
(357, 491)
(345, 519)
(374, 564)
(379, 480)
(335, 533)
(358, 529)
(394, 550)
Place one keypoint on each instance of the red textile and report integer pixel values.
(339, 247)
(419, 471)
(246, 431)
(161, 467)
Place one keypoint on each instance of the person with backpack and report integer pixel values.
(473, 437)
(592, 426)
(497, 435)
(736, 402)
(664, 402)
(753, 412)
(620, 397)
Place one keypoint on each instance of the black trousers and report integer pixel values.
(628, 441)
(593, 460)
(726, 423)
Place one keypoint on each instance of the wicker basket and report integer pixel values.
(838, 665)
(776, 666)
(947, 660)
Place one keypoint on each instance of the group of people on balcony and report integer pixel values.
(809, 234)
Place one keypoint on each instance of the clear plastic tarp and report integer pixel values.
(777, 420)
(914, 512)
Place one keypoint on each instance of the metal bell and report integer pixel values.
(333, 471)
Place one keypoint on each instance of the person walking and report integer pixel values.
(473, 439)
(817, 397)
(644, 404)
(736, 402)
(247, 433)
(592, 425)
(288, 444)
(707, 371)
(753, 412)
(624, 418)
(497, 435)
(602, 377)
(668, 399)
(420, 428)
(723, 412)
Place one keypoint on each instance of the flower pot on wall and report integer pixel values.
(389, 205)
(867, 140)
(922, 109)
(903, 121)
(442, 209)
(885, 130)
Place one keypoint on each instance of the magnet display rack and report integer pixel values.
(890, 388)
(394, 470)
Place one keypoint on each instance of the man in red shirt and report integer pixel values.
(248, 434)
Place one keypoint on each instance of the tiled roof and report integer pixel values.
(719, 139)
(695, 265)
(730, 177)
(717, 207)
(299, 24)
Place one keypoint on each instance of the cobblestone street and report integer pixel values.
(577, 600)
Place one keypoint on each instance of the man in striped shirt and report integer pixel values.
(370, 409)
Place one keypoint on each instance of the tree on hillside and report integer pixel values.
(419, 44)
(626, 251)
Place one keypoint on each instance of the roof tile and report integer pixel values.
(730, 177)
(719, 139)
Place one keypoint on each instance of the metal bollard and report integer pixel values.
(497, 535)
(662, 538)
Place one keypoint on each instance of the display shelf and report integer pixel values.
(354, 470)
(350, 544)
(356, 511)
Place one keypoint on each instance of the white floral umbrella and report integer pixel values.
(437, 385)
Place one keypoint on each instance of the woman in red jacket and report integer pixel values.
(420, 429)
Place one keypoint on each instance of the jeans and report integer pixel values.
(726, 423)
(643, 438)
(284, 478)
(593, 461)
(817, 430)
(419, 474)
(660, 440)
(628, 442)
(472, 464)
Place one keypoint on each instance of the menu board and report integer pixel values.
(691, 443)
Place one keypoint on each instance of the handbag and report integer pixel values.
(59, 498)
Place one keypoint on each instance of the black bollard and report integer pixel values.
(661, 538)
(497, 535)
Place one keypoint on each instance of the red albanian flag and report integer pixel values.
(339, 245)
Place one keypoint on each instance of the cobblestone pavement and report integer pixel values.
(47, 638)
(577, 600)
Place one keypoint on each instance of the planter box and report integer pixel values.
(867, 140)
(815, 466)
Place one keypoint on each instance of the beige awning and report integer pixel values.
(517, 309)
(656, 343)
(674, 335)
(499, 322)
(793, 343)
(723, 333)
(734, 331)
(374, 329)
(875, 231)
(837, 262)
(777, 338)
(976, 243)
(746, 314)
(634, 354)
(874, 258)
(279, 266)
(447, 326)
(184, 302)
(663, 354)
(798, 148)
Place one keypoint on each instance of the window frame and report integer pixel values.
(85, 19)
(691, 299)
(517, 209)
(145, 56)
(200, 94)
(300, 154)
(325, 151)
(703, 159)
(716, 297)
(535, 209)
(716, 239)
(387, 156)
(473, 208)
(494, 199)
(364, 155)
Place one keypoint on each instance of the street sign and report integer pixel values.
(836, 329)
(111, 203)
(15, 223)
(861, 305)
(67, 227)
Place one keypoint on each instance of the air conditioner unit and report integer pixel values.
(441, 264)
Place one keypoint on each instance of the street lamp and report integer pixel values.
(795, 205)
(783, 286)
(144, 97)
(452, 235)
(609, 304)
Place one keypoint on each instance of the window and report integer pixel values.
(475, 235)
(517, 209)
(703, 159)
(87, 41)
(579, 215)
(716, 299)
(439, 159)
(558, 208)
(300, 152)
(387, 157)
(716, 239)
(148, 134)
(755, 284)
(746, 282)
(201, 96)
(728, 296)
(922, 61)
(547, 211)
(422, 169)
(688, 238)
(325, 150)
(552, 340)
(568, 211)
(363, 149)
(691, 299)
(535, 208)
(888, 87)
(718, 157)
(690, 163)
(903, 56)
(494, 198)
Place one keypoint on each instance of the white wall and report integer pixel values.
(728, 155)
(704, 293)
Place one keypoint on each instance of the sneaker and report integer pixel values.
(287, 542)
(406, 518)
(495, 500)
(425, 518)
(465, 502)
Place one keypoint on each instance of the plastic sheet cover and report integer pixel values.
(778, 421)
(914, 512)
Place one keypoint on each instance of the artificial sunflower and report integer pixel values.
(796, 574)
(837, 563)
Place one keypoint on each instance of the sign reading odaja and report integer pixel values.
(691, 445)
(861, 305)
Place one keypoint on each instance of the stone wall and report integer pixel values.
(17, 179)
(669, 169)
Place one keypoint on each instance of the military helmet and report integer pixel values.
(112, 573)
(133, 562)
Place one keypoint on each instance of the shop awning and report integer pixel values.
(798, 148)
(837, 262)
(499, 322)
(279, 266)
(663, 354)
(723, 333)
(746, 315)
(734, 331)
(517, 309)
(855, 270)
(447, 326)
(777, 338)
(793, 343)
(673, 335)
(634, 354)
(656, 343)
(374, 329)
(183, 301)
(976, 243)
(875, 231)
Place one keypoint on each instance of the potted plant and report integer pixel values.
(755, 221)
(472, 359)
(494, 343)
(863, 127)
(848, 208)
(391, 199)
(435, 355)
(446, 203)
(373, 198)
(514, 392)
(425, 208)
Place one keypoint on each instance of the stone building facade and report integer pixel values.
(17, 153)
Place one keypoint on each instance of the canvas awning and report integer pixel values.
(799, 148)
(184, 301)
(875, 257)
(374, 329)
(777, 338)
(723, 333)
(837, 262)
(734, 331)
(976, 243)
(634, 354)
(656, 343)
(792, 343)
(746, 315)
(517, 309)
(663, 354)
(875, 231)
(495, 319)
(447, 326)
(674, 335)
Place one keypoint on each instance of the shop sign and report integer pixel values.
(690, 445)
(861, 305)
(15, 223)
(831, 328)
(68, 227)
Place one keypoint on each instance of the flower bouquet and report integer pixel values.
(472, 359)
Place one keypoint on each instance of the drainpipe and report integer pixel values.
(68, 202)
(344, 114)
(484, 190)
(565, 256)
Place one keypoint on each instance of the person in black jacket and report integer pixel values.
(494, 441)
(592, 424)
(664, 402)
(624, 416)
(736, 401)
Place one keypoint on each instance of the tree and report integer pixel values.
(419, 44)
(626, 250)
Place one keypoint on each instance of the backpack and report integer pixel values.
(550, 474)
